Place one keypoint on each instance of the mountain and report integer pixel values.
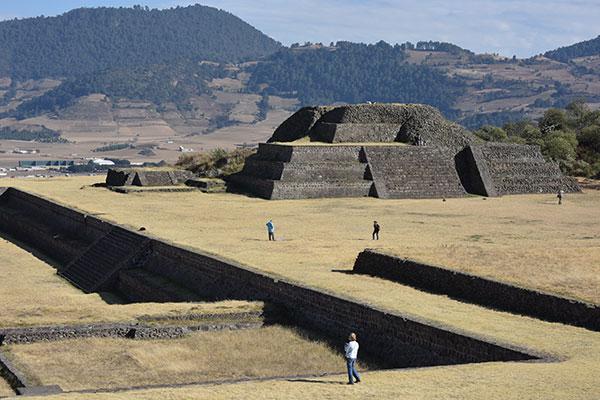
(121, 79)
(577, 50)
(92, 39)
(475, 89)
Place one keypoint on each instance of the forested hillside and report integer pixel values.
(155, 83)
(354, 73)
(581, 49)
(88, 40)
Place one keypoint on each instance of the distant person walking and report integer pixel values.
(376, 229)
(351, 353)
(560, 196)
(271, 230)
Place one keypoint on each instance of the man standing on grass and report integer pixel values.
(271, 230)
(351, 352)
(560, 196)
(376, 229)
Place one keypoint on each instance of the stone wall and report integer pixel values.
(475, 289)
(355, 132)
(250, 320)
(502, 168)
(413, 172)
(396, 339)
(47, 226)
(299, 172)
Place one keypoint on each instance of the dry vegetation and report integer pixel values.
(527, 240)
(32, 294)
(5, 389)
(200, 357)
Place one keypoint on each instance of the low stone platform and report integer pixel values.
(146, 176)
(151, 189)
(207, 185)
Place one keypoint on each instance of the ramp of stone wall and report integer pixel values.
(103, 259)
(478, 290)
(503, 168)
(413, 172)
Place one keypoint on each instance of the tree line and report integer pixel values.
(355, 73)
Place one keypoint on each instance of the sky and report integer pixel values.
(508, 27)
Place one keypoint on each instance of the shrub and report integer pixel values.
(217, 163)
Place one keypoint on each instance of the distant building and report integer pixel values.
(103, 162)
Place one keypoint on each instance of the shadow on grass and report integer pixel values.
(345, 271)
(317, 381)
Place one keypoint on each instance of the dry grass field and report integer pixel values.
(200, 357)
(5, 389)
(32, 294)
(526, 240)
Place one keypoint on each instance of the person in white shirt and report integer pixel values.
(351, 352)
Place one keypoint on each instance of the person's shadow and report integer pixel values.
(317, 381)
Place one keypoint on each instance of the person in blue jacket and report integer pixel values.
(271, 230)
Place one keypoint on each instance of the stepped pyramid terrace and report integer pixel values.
(390, 151)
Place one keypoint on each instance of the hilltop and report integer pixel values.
(86, 40)
(197, 77)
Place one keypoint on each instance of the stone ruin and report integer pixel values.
(146, 177)
(390, 151)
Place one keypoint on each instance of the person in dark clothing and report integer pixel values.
(376, 229)
(271, 230)
(560, 196)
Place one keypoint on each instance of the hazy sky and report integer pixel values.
(508, 27)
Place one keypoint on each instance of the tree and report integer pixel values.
(492, 133)
(554, 119)
(590, 137)
(560, 146)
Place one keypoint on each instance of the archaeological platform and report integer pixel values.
(390, 151)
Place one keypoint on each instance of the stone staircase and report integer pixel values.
(413, 172)
(99, 264)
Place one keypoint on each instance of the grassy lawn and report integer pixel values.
(32, 294)
(527, 240)
(206, 356)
